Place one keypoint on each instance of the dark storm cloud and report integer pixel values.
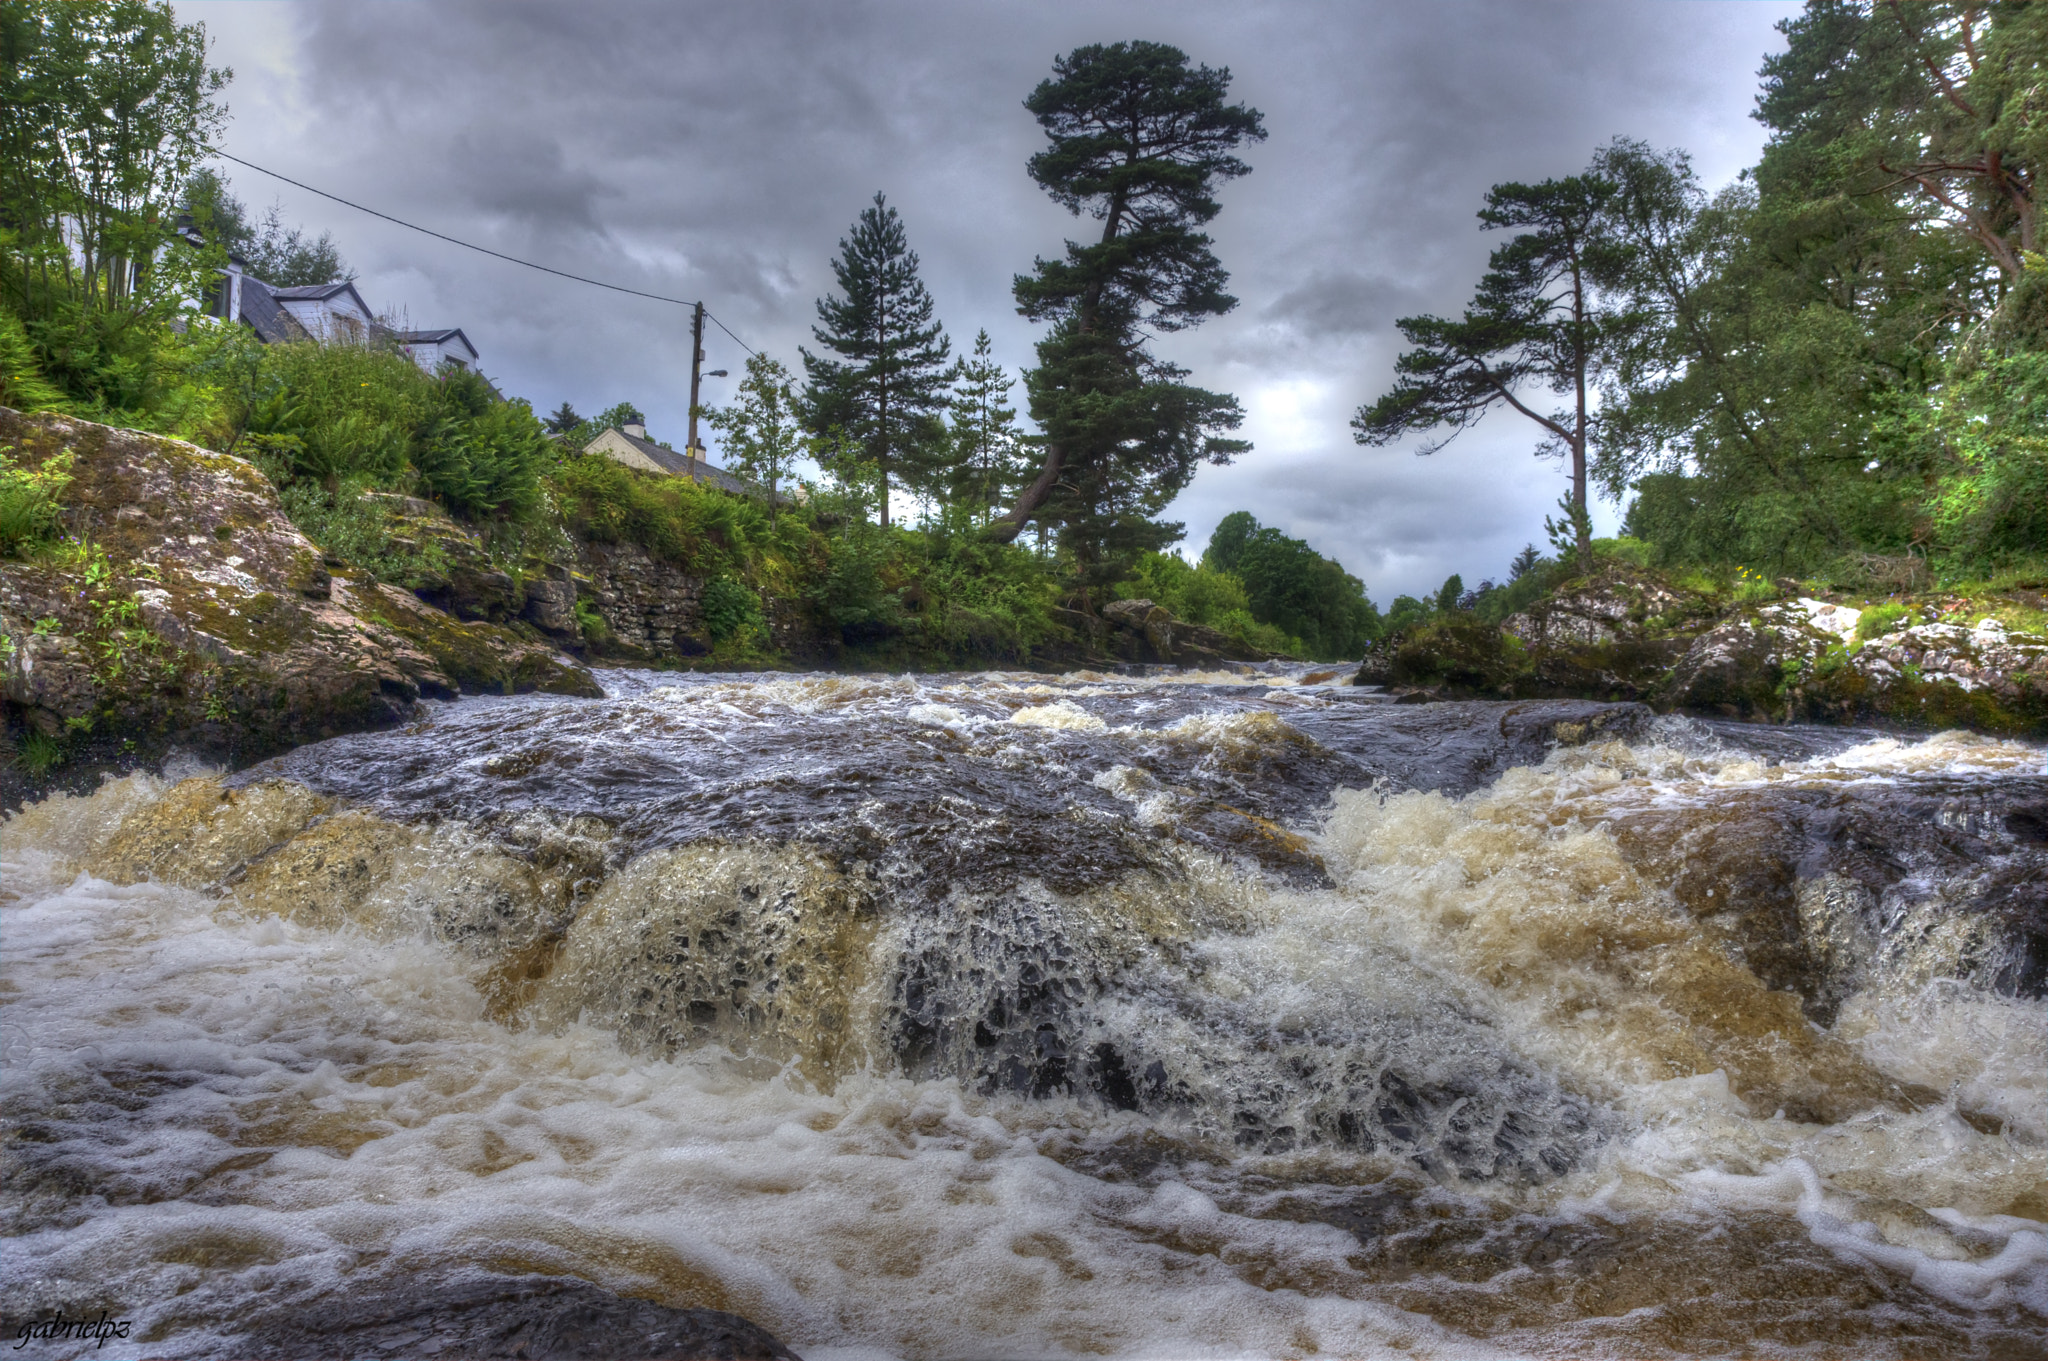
(721, 150)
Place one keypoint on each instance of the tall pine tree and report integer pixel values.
(989, 460)
(1139, 141)
(883, 395)
(1536, 318)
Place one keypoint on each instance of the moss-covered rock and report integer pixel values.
(1624, 635)
(182, 608)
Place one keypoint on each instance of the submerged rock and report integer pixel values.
(183, 608)
(531, 1318)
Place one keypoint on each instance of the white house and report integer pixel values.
(334, 313)
(431, 349)
(629, 445)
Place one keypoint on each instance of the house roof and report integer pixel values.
(261, 314)
(322, 293)
(440, 337)
(315, 292)
(682, 465)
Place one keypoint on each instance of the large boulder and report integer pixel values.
(1803, 660)
(183, 608)
(1617, 603)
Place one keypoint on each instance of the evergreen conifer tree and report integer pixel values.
(1537, 317)
(1139, 140)
(883, 395)
(989, 460)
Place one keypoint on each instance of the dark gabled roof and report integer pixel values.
(315, 292)
(322, 292)
(261, 314)
(682, 465)
(434, 337)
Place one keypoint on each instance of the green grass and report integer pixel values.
(1879, 620)
(39, 753)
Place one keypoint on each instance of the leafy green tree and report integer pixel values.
(761, 434)
(1447, 594)
(1933, 107)
(888, 387)
(1525, 562)
(1294, 588)
(279, 255)
(1534, 319)
(989, 457)
(105, 110)
(617, 416)
(563, 420)
(1139, 140)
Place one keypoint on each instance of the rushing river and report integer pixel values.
(992, 1015)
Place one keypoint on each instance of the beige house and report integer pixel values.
(630, 446)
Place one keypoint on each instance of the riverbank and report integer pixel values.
(176, 606)
(1766, 652)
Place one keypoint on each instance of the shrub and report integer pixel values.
(1625, 549)
(22, 385)
(30, 512)
(730, 609)
(341, 522)
(1202, 594)
(700, 529)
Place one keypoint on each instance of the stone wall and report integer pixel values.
(646, 603)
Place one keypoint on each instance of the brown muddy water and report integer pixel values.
(997, 1016)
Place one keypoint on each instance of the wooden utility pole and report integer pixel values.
(692, 448)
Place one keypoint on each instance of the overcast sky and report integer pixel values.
(721, 150)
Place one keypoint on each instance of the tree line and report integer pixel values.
(1836, 365)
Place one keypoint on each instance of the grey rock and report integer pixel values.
(519, 1318)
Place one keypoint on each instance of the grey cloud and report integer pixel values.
(720, 150)
(1341, 303)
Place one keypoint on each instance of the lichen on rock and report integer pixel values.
(183, 608)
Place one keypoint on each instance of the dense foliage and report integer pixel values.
(1139, 139)
(105, 111)
(1294, 588)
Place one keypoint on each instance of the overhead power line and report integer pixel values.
(484, 250)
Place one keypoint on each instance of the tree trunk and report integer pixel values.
(1006, 528)
(1583, 521)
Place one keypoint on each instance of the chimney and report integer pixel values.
(636, 429)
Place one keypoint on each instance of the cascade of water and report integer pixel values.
(996, 1014)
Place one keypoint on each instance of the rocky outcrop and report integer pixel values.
(1620, 603)
(1142, 631)
(1803, 660)
(1626, 636)
(183, 608)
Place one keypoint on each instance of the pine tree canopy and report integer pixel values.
(1535, 318)
(884, 393)
(989, 462)
(1139, 140)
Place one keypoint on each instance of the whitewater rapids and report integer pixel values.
(975, 1016)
